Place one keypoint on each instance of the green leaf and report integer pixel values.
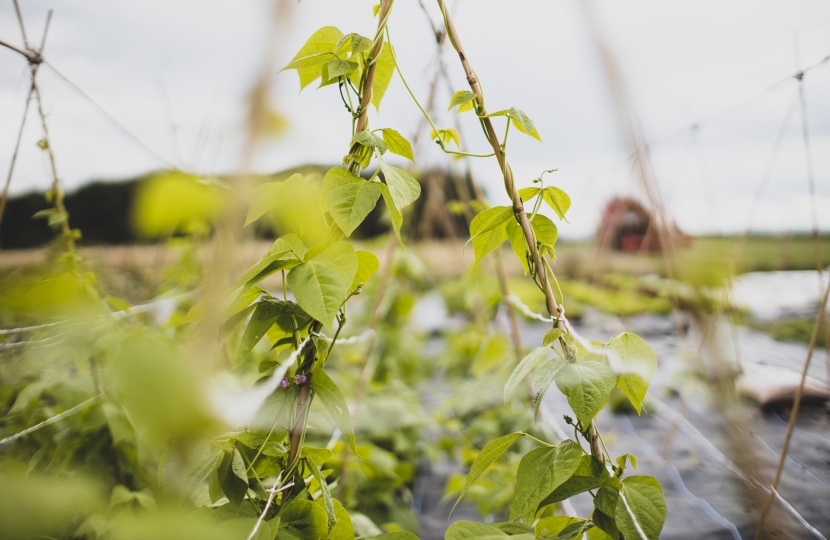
(560, 526)
(541, 471)
(622, 459)
(367, 138)
(541, 381)
(558, 200)
(384, 69)
(282, 255)
(303, 520)
(641, 508)
(523, 123)
(545, 231)
(513, 527)
(263, 318)
(590, 474)
(551, 335)
(399, 535)
(488, 230)
(287, 313)
(402, 186)
(320, 285)
(608, 496)
(446, 135)
(469, 530)
(308, 61)
(318, 455)
(322, 41)
(525, 366)
(517, 241)
(484, 459)
(606, 524)
(367, 265)
(324, 488)
(343, 528)
(338, 68)
(528, 193)
(397, 144)
(232, 477)
(335, 404)
(354, 43)
(348, 198)
(395, 215)
(595, 533)
(266, 198)
(587, 386)
(464, 99)
(639, 364)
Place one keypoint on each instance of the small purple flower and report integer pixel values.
(300, 379)
(284, 383)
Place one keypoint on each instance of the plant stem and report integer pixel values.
(518, 207)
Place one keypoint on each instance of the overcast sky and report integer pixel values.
(176, 73)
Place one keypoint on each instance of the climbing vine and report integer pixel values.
(323, 272)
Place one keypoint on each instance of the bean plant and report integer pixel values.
(323, 272)
(275, 476)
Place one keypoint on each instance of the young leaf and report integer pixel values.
(587, 386)
(313, 60)
(352, 42)
(384, 69)
(543, 378)
(484, 459)
(558, 200)
(349, 198)
(641, 508)
(322, 41)
(320, 284)
(528, 193)
(338, 68)
(470, 530)
(395, 215)
(302, 520)
(402, 186)
(367, 138)
(488, 229)
(523, 123)
(324, 488)
(335, 404)
(525, 366)
(397, 144)
(541, 471)
(545, 231)
(367, 265)
(518, 242)
(446, 135)
(464, 99)
(551, 335)
(639, 364)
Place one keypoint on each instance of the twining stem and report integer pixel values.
(518, 207)
(368, 81)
